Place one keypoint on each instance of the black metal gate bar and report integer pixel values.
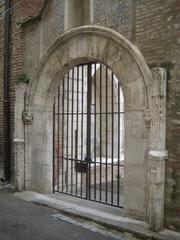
(82, 121)
(67, 136)
(100, 126)
(95, 131)
(58, 138)
(118, 176)
(72, 119)
(62, 145)
(112, 141)
(88, 136)
(77, 118)
(94, 174)
(54, 159)
(106, 133)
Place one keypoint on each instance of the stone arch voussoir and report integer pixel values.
(80, 45)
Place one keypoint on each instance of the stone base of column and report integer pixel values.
(156, 189)
(19, 164)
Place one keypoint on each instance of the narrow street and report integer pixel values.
(21, 220)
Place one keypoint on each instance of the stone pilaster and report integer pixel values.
(22, 118)
(157, 153)
(156, 189)
(19, 164)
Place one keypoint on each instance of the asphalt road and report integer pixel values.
(21, 220)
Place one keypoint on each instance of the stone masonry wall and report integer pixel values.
(1, 87)
(37, 37)
(116, 14)
(52, 24)
(154, 26)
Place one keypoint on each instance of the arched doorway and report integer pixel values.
(84, 45)
(88, 134)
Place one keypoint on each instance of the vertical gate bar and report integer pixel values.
(63, 137)
(76, 153)
(106, 134)
(82, 119)
(112, 166)
(71, 148)
(90, 103)
(67, 140)
(58, 152)
(88, 144)
(54, 167)
(77, 79)
(100, 175)
(118, 192)
(72, 118)
(95, 131)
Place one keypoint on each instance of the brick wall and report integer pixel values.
(30, 8)
(25, 10)
(158, 38)
(154, 26)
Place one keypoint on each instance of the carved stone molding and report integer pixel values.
(27, 117)
(147, 117)
(158, 153)
(158, 107)
(159, 81)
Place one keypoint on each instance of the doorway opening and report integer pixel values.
(88, 135)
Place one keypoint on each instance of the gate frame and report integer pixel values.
(84, 164)
(145, 117)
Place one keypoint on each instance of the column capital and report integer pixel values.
(158, 155)
(158, 81)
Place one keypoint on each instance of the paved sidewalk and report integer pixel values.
(110, 217)
(21, 220)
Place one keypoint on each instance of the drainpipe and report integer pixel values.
(7, 142)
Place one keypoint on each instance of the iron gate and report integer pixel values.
(88, 135)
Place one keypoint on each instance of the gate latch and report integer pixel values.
(81, 166)
(88, 160)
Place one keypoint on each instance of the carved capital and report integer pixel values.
(27, 117)
(159, 81)
(18, 141)
(147, 117)
(158, 155)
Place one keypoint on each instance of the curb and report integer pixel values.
(120, 224)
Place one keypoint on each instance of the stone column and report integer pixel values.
(157, 153)
(19, 136)
(22, 118)
(19, 164)
(27, 118)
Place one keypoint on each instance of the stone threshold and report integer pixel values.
(106, 219)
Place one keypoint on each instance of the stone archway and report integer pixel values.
(111, 48)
